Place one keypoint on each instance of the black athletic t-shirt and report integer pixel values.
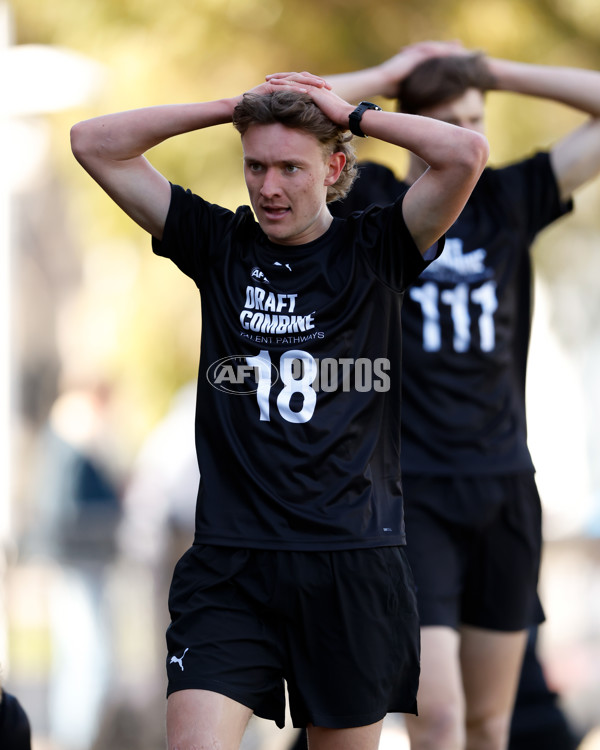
(466, 322)
(298, 403)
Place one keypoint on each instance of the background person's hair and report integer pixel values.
(441, 79)
(295, 110)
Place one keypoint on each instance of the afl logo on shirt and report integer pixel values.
(235, 375)
(257, 275)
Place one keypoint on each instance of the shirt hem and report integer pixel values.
(300, 546)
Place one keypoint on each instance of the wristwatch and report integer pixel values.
(355, 117)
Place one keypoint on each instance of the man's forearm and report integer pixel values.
(127, 135)
(573, 87)
(437, 143)
(364, 84)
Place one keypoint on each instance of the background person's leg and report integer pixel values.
(491, 665)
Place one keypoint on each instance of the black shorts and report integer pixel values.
(340, 628)
(474, 545)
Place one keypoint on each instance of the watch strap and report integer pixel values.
(356, 116)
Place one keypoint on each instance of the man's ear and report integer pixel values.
(337, 161)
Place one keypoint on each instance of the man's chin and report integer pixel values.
(276, 232)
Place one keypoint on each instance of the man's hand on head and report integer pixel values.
(297, 81)
(400, 66)
(290, 81)
(319, 90)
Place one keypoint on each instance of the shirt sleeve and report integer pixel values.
(389, 248)
(193, 232)
(529, 194)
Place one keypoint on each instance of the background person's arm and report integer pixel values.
(575, 157)
(385, 78)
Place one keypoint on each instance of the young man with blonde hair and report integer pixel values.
(297, 571)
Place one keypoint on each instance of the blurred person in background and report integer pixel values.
(75, 488)
(156, 528)
(473, 513)
(296, 487)
(538, 721)
(15, 731)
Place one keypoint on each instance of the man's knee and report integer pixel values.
(488, 732)
(437, 726)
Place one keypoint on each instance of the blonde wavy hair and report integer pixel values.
(295, 110)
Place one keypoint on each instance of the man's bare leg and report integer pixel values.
(491, 664)
(203, 719)
(440, 723)
(356, 738)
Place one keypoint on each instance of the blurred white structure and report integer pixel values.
(34, 80)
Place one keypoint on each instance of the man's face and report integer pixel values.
(287, 176)
(467, 111)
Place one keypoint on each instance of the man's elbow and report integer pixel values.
(475, 154)
(79, 141)
(84, 143)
